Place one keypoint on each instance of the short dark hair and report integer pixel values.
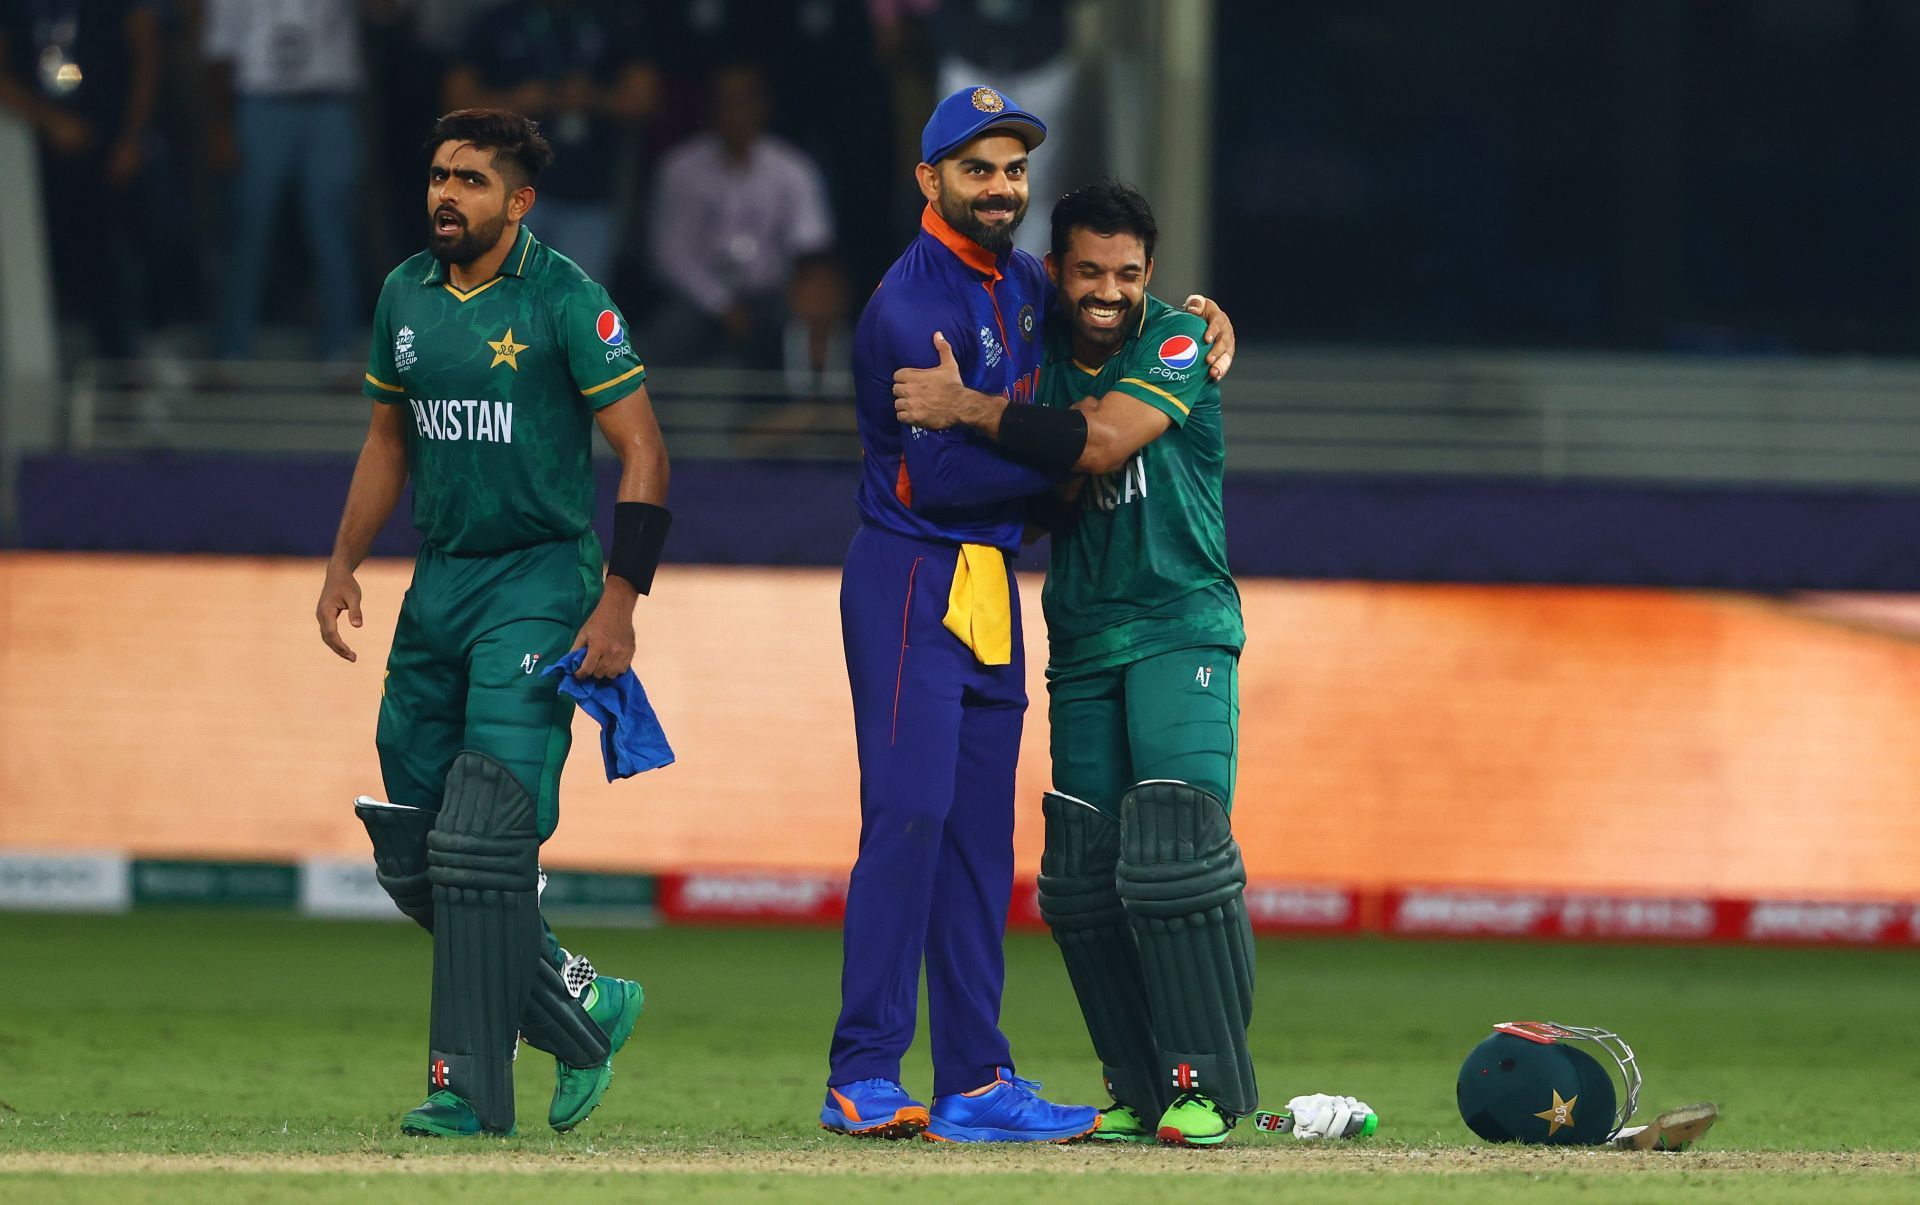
(1104, 207)
(518, 148)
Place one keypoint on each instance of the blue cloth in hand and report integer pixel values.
(630, 736)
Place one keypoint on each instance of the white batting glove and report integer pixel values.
(1323, 1116)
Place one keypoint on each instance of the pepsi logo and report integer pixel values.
(613, 332)
(1179, 352)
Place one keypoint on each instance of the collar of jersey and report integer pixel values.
(514, 265)
(965, 249)
(1060, 337)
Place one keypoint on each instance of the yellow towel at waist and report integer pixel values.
(979, 609)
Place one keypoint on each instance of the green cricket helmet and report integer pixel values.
(1527, 1083)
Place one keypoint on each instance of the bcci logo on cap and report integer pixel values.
(987, 100)
(1179, 352)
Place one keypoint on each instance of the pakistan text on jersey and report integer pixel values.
(475, 420)
(1123, 485)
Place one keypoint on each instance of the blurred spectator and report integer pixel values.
(86, 74)
(902, 47)
(832, 102)
(1020, 48)
(410, 45)
(574, 66)
(283, 74)
(817, 345)
(734, 209)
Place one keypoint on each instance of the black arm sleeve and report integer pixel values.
(639, 534)
(1043, 436)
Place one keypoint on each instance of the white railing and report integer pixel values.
(1556, 417)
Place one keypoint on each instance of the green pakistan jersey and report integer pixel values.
(1144, 571)
(501, 384)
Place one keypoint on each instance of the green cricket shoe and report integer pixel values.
(614, 1005)
(444, 1115)
(1193, 1120)
(1120, 1123)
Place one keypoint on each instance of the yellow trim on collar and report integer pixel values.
(448, 286)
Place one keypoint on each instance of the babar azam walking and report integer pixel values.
(493, 359)
(1141, 880)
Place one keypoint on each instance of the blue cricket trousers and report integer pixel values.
(938, 736)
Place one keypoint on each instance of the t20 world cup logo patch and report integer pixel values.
(1180, 352)
(612, 331)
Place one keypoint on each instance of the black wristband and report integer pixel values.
(1044, 436)
(639, 533)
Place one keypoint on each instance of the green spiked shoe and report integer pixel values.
(614, 1005)
(1119, 1123)
(1193, 1120)
(444, 1115)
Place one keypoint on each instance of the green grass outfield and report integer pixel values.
(218, 1057)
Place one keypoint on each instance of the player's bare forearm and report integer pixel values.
(633, 432)
(378, 477)
(1118, 425)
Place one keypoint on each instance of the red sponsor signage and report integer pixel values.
(792, 897)
(753, 896)
(1293, 908)
(1453, 912)
(1862, 924)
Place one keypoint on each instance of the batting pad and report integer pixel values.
(1080, 902)
(399, 836)
(555, 1021)
(483, 860)
(1182, 882)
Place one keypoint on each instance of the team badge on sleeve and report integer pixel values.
(1180, 352)
(611, 330)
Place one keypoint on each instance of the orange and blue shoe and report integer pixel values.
(1008, 1110)
(872, 1108)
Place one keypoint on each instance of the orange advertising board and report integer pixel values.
(1568, 739)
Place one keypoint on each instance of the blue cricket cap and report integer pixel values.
(971, 112)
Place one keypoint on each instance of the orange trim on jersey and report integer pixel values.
(903, 486)
(900, 673)
(997, 319)
(969, 252)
